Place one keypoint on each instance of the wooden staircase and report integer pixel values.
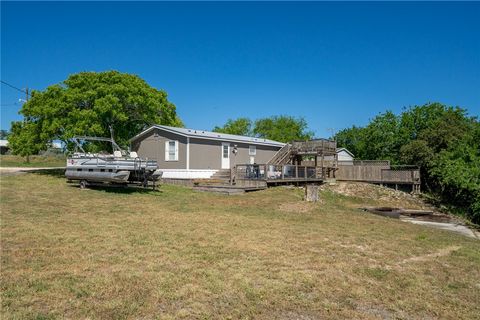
(282, 156)
(223, 174)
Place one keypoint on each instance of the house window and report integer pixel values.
(225, 151)
(171, 150)
(252, 150)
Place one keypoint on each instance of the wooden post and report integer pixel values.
(283, 172)
(312, 193)
(296, 172)
(306, 177)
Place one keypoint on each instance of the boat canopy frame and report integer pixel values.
(77, 140)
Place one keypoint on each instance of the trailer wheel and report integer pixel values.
(83, 184)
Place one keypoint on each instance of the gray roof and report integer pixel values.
(344, 149)
(202, 134)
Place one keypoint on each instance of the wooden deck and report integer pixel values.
(379, 172)
(276, 174)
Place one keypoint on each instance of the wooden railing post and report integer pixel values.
(306, 177)
(283, 171)
(296, 172)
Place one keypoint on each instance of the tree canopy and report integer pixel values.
(88, 103)
(442, 140)
(240, 126)
(279, 128)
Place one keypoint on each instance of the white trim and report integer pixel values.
(187, 174)
(346, 150)
(167, 151)
(225, 162)
(188, 153)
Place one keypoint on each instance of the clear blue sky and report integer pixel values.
(336, 64)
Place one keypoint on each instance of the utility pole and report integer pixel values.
(332, 132)
(26, 92)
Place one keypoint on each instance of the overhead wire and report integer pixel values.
(13, 87)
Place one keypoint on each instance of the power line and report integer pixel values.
(13, 87)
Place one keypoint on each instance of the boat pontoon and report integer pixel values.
(119, 168)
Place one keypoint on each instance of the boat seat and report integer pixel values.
(133, 154)
(117, 154)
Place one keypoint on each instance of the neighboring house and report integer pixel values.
(4, 146)
(188, 153)
(344, 157)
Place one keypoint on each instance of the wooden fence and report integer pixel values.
(379, 173)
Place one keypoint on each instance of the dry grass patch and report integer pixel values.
(129, 254)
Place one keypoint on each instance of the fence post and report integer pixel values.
(296, 172)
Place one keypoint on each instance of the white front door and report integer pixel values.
(225, 155)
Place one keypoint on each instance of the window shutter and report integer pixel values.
(176, 150)
(166, 150)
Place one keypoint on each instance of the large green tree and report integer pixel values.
(240, 126)
(278, 128)
(89, 103)
(442, 140)
(282, 128)
(25, 140)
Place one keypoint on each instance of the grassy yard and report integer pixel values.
(128, 254)
(35, 161)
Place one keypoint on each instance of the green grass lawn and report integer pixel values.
(35, 161)
(130, 254)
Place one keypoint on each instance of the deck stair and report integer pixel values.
(219, 178)
(223, 174)
(282, 156)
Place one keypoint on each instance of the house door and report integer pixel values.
(225, 155)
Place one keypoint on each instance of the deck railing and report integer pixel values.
(275, 172)
(317, 146)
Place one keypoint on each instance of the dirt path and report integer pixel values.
(20, 170)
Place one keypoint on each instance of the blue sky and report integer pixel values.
(336, 64)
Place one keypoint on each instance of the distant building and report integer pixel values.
(343, 155)
(4, 148)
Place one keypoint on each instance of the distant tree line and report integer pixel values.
(443, 141)
(279, 128)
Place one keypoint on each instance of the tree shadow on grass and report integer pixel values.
(120, 189)
(57, 173)
(60, 173)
